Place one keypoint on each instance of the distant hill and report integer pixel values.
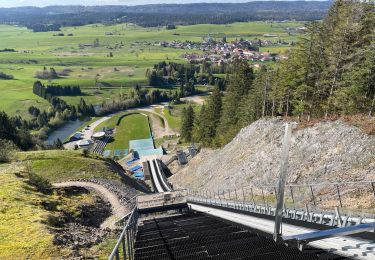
(163, 14)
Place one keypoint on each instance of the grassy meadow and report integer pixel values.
(173, 114)
(134, 50)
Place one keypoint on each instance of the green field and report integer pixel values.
(134, 50)
(173, 114)
(131, 127)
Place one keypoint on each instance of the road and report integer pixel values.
(87, 133)
(118, 210)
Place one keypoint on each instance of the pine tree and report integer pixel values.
(211, 116)
(187, 123)
(255, 103)
(199, 125)
(240, 83)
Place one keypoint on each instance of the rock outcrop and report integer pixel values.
(326, 152)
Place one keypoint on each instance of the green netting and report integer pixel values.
(148, 152)
(107, 153)
(141, 144)
(121, 152)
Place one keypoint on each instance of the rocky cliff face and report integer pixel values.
(326, 152)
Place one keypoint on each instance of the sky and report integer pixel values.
(14, 3)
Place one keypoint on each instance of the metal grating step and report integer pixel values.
(197, 236)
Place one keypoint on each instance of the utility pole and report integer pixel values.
(277, 236)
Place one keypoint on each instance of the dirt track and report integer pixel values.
(118, 210)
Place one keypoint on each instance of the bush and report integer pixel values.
(7, 150)
(6, 76)
(171, 27)
(86, 153)
(40, 183)
(46, 74)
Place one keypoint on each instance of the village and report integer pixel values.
(222, 52)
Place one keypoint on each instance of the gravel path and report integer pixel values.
(198, 99)
(160, 130)
(118, 209)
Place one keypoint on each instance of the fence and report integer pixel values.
(124, 248)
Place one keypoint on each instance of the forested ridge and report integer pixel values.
(51, 18)
(331, 72)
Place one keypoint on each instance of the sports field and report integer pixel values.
(100, 76)
(132, 127)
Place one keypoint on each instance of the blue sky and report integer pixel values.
(12, 3)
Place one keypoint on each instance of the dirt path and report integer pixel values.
(159, 130)
(198, 99)
(118, 210)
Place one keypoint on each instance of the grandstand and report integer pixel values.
(100, 144)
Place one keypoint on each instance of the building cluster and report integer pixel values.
(224, 52)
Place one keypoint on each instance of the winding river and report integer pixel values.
(65, 131)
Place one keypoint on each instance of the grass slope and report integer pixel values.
(58, 165)
(23, 236)
(25, 232)
(173, 115)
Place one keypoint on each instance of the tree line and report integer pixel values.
(15, 135)
(184, 75)
(55, 90)
(60, 110)
(330, 72)
(139, 96)
(52, 18)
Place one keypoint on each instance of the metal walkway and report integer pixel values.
(344, 246)
(198, 236)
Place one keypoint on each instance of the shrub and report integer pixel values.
(6, 76)
(46, 74)
(40, 183)
(86, 153)
(7, 150)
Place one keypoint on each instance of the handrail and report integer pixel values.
(322, 218)
(126, 238)
(311, 184)
(292, 188)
